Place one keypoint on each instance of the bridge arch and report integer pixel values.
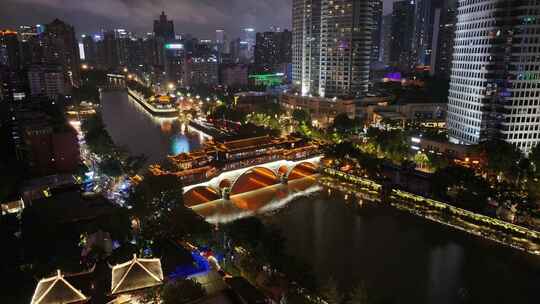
(301, 170)
(225, 183)
(200, 195)
(253, 179)
(283, 170)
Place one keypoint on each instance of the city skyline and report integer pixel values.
(200, 18)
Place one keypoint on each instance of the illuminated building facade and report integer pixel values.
(345, 47)
(306, 39)
(201, 70)
(494, 88)
(332, 47)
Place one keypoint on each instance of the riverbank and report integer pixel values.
(493, 229)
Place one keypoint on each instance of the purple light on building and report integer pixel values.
(395, 76)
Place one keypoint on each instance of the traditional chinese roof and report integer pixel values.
(135, 275)
(56, 290)
(247, 143)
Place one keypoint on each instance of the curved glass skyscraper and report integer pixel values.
(495, 80)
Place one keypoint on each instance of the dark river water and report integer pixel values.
(400, 257)
(131, 126)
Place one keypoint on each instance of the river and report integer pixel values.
(400, 257)
(131, 126)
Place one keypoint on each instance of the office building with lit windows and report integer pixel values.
(332, 46)
(306, 39)
(494, 87)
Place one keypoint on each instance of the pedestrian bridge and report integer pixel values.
(249, 179)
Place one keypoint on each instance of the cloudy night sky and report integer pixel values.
(198, 17)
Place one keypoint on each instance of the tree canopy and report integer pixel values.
(462, 187)
(502, 157)
(301, 116)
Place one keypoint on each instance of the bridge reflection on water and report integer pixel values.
(258, 201)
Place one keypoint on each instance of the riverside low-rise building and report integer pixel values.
(322, 110)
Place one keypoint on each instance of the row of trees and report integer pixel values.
(114, 160)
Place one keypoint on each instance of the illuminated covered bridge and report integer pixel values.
(249, 179)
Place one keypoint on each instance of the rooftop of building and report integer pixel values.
(57, 289)
(136, 274)
(253, 142)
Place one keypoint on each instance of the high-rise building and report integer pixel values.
(345, 47)
(306, 41)
(90, 49)
(31, 42)
(426, 30)
(9, 49)
(386, 45)
(403, 25)
(222, 41)
(154, 50)
(200, 71)
(62, 48)
(47, 80)
(441, 59)
(234, 49)
(376, 33)
(110, 50)
(273, 48)
(164, 28)
(175, 54)
(248, 42)
(332, 46)
(135, 54)
(494, 88)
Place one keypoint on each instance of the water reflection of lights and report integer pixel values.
(179, 144)
(222, 211)
(166, 126)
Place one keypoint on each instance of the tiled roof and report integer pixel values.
(136, 274)
(55, 290)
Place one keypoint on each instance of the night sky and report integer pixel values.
(198, 17)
